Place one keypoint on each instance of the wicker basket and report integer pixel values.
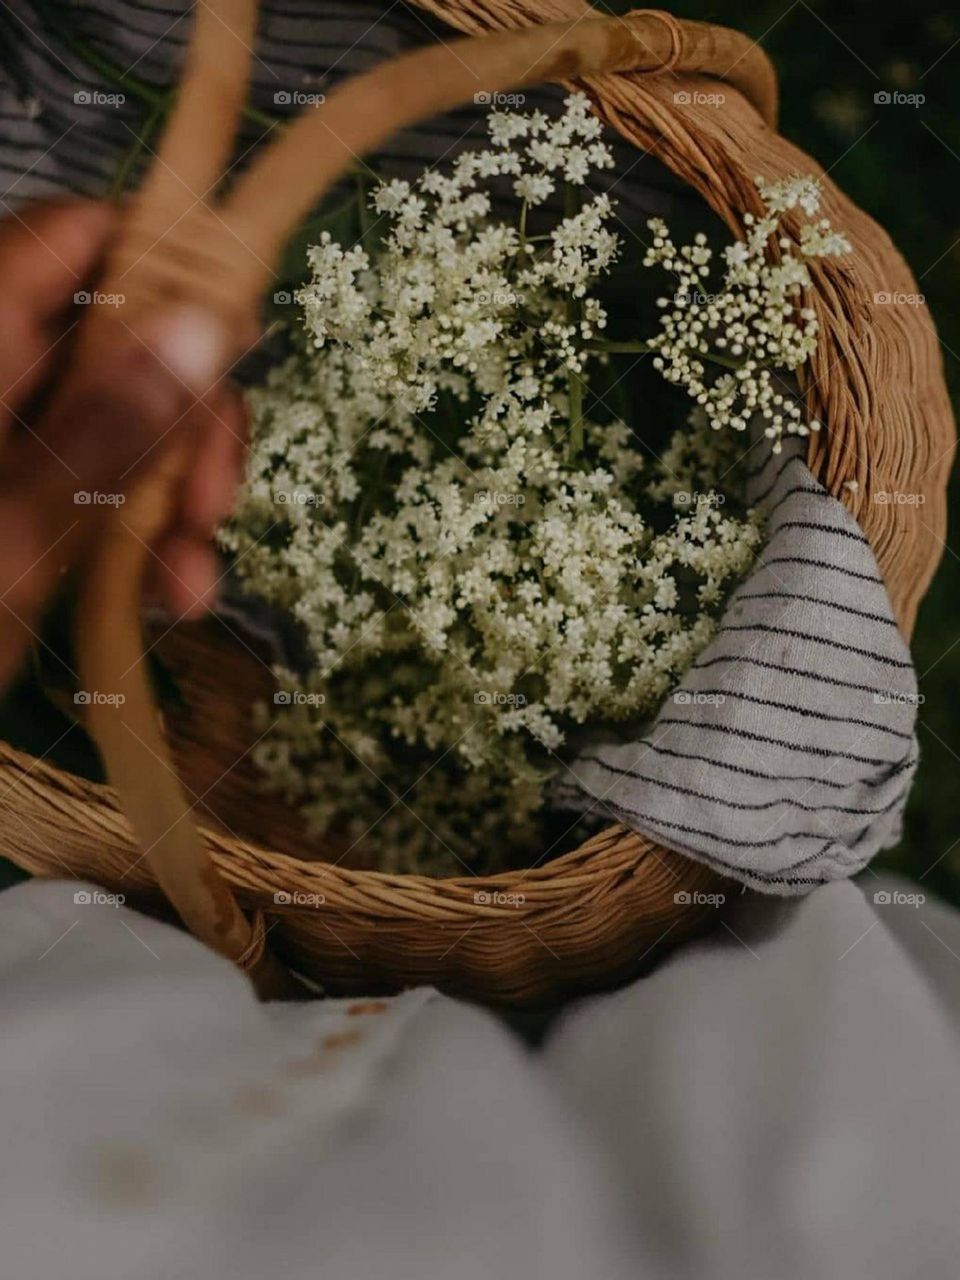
(596, 915)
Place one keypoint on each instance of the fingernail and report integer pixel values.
(192, 343)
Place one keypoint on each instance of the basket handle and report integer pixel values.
(176, 247)
(372, 107)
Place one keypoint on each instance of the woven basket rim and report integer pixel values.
(565, 871)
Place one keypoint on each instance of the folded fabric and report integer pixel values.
(785, 756)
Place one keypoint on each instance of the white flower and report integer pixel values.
(468, 593)
(533, 187)
(753, 318)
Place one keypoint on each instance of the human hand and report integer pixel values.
(66, 433)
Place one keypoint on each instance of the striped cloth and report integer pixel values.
(786, 754)
(62, 130)
(785, 757)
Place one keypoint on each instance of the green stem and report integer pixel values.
(55, 17)
(154, 119)
(575, 396)
(365, 219)
(644, 348)
(575, 386)
(619, 348)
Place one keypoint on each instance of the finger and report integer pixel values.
(210, 488)
(29, 359)
(117, 403)
(189, 569)
(45, 255)
(114, 413)
(184, 576)
(49, 251)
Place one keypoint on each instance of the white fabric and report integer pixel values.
(777, 1104)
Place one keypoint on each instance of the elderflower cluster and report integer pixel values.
(446, 304)
(472, 549)
(755, 322)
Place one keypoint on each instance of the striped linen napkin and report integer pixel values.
(786, 754)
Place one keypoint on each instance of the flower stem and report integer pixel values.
(643, 348)
(152, 123)
(55, 16)
(575, 396)
(365, 221)
(572, 203)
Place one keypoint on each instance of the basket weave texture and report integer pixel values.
(595, 915)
